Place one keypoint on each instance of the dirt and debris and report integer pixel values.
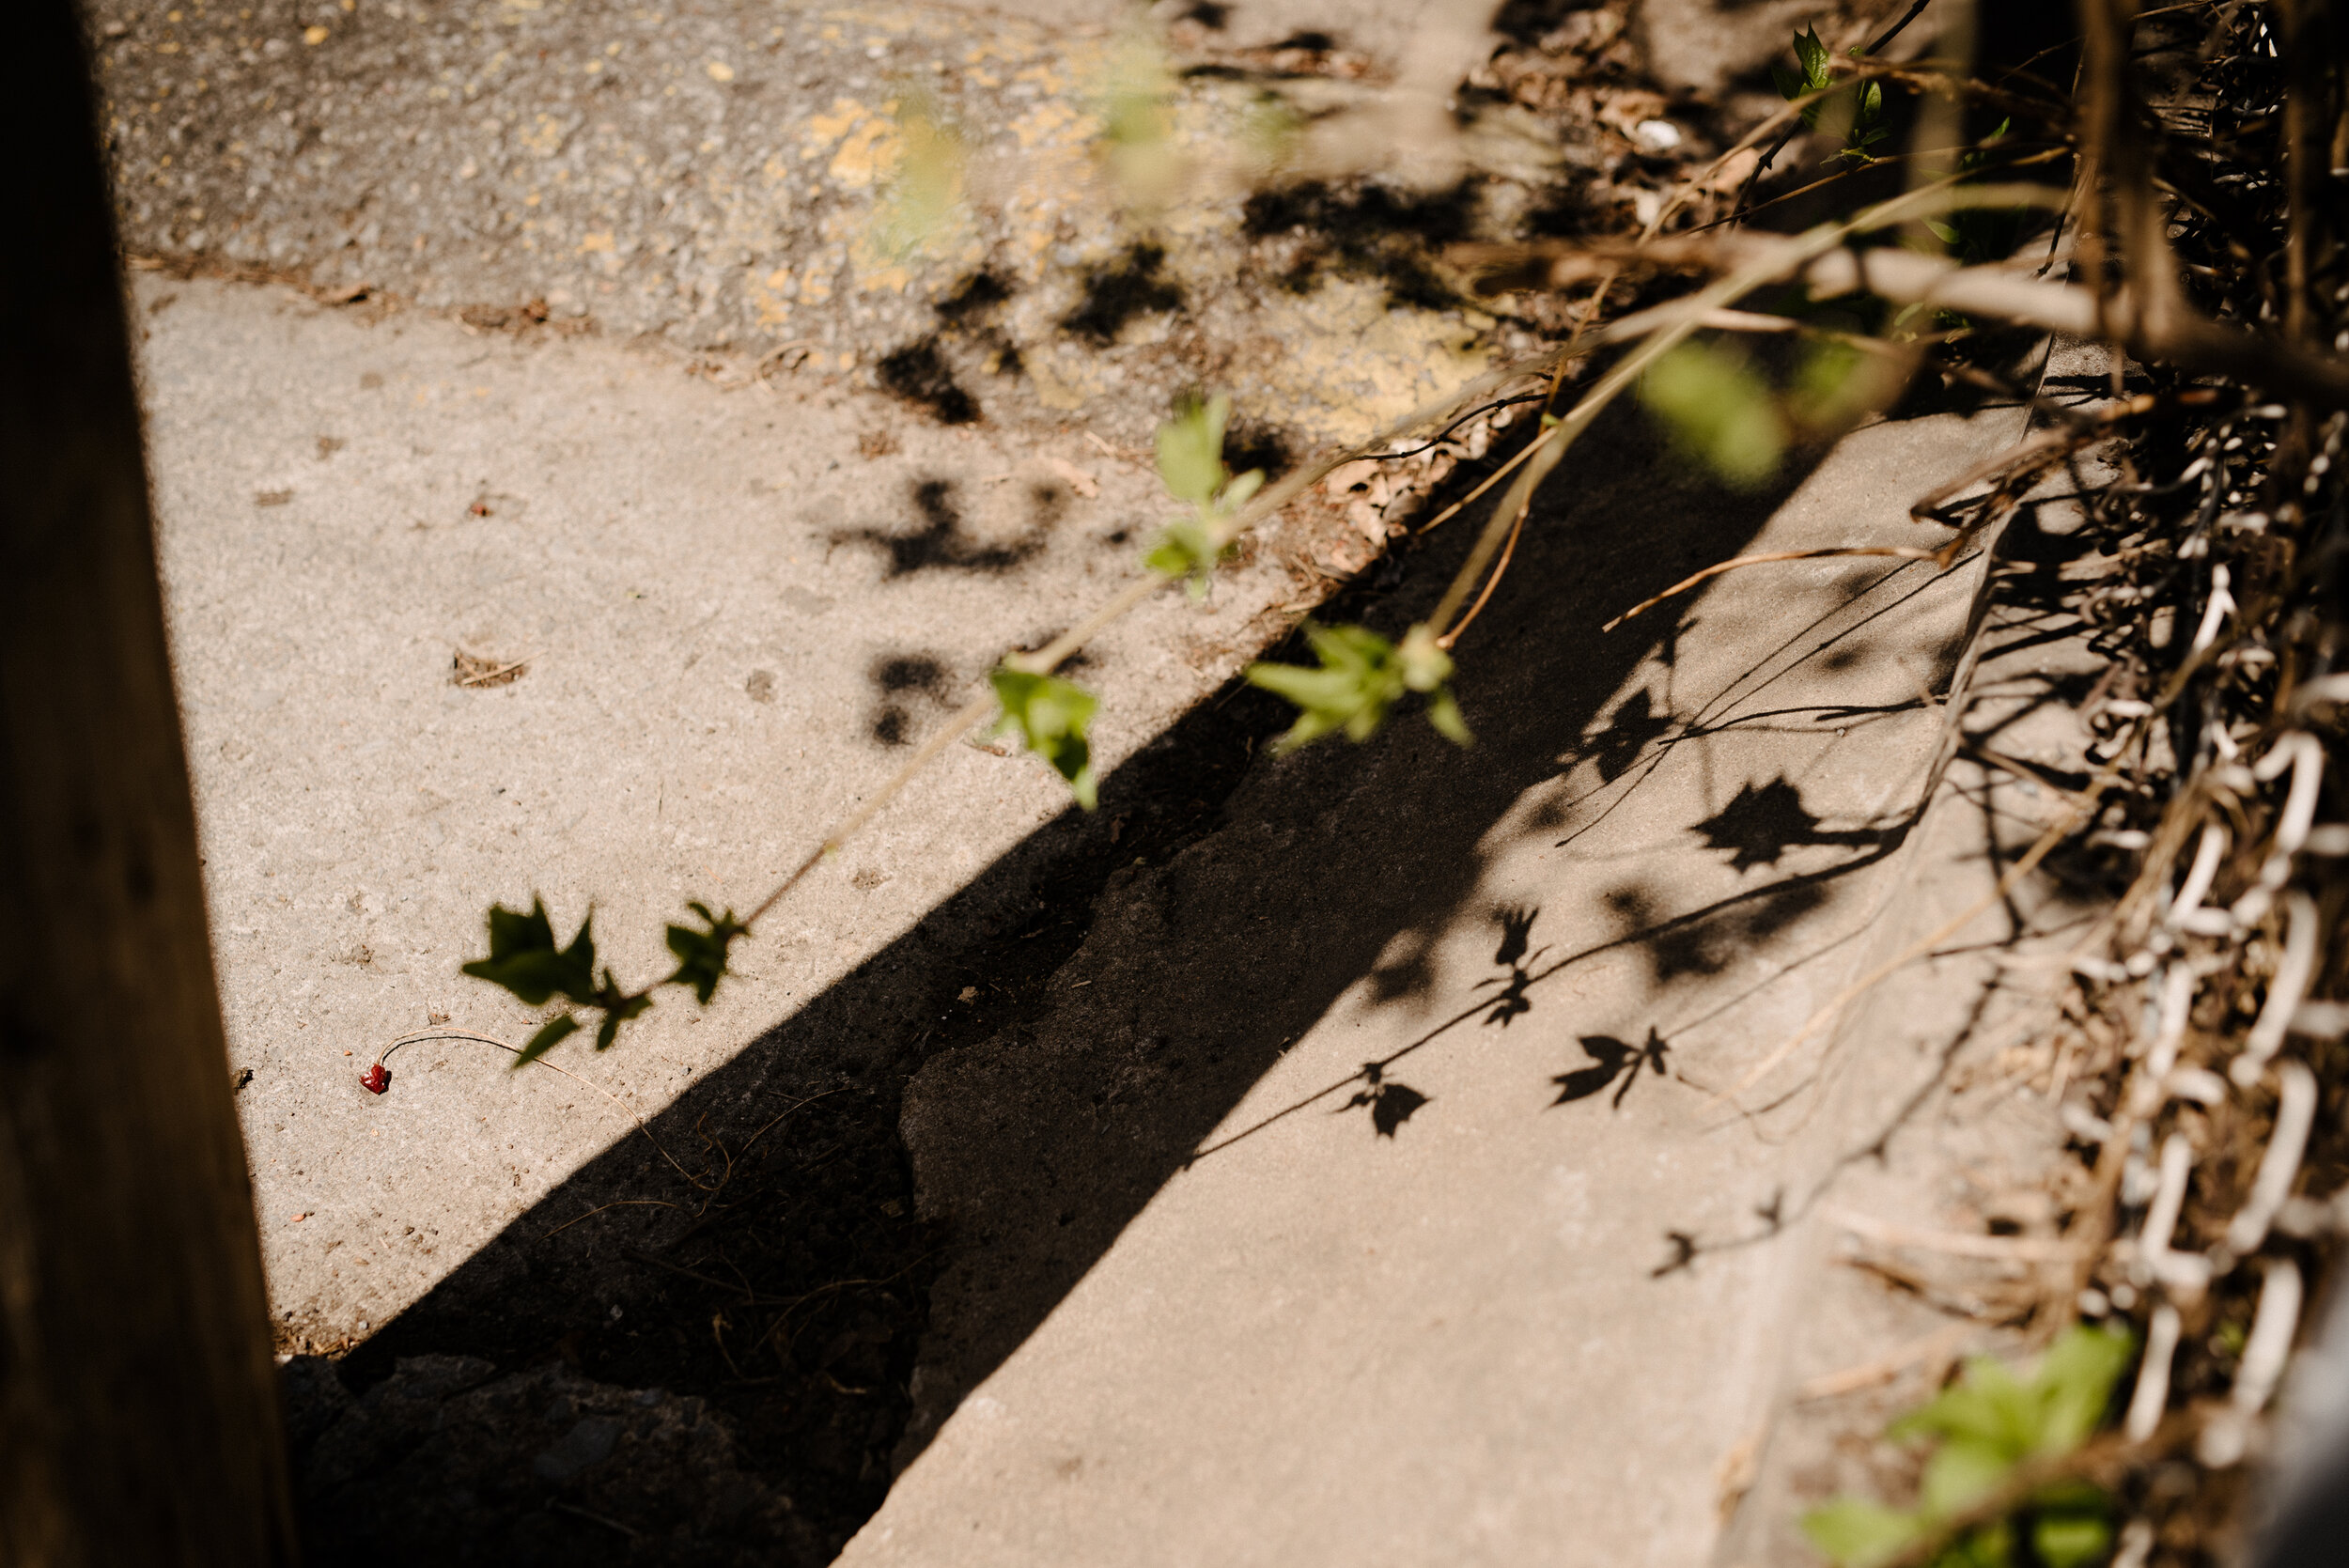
(482, 671)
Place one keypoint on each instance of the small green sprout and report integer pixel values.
(1983, 1427)
(1051, 716)
(1863, 109)
(1361, 677)
(1191, 462)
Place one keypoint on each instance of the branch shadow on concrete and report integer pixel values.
(791, 1281)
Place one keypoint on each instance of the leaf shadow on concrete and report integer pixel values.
(795, 1279)
(942, 540)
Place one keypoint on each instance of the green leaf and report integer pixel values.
(2070, 1541)
(1814, 57)
(1443, 712)
(1190, 551)
(1987, 1406)
(524, 959)
(1834, 384)
(1989, 1421)
(1190, 450)
(1961, 1470)
(1361, 677)
(702, 955)
(1051, 716)
(1991, 1547)
(2074, 1384)
(1718, 411)
(1190, 462)
(1854, 1532)
(553, 1034)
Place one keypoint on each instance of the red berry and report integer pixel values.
(376, 1079)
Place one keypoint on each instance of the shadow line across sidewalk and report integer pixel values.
(792, 1282)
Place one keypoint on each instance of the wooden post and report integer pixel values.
(139, 1421)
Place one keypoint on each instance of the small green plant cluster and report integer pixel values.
(524, 959)
(1192, 466)
(1361, 677)
(1981, 1428)
(1858, 115)
(1051, 717)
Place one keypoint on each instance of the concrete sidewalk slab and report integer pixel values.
(728, 624)
(1500, 1295)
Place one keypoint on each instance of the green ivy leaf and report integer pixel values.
(1718, 411)
(1855, 1532)
(1361, 677)
(702, 955)
(2070, 1542)
(524, 959)
(1051, 716)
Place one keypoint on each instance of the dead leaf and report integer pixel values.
(472, 670)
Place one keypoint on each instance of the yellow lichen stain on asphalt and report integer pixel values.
(1041, 122)
(1349, 360)
(824, 129)
(1329, 363)
(770, 296)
